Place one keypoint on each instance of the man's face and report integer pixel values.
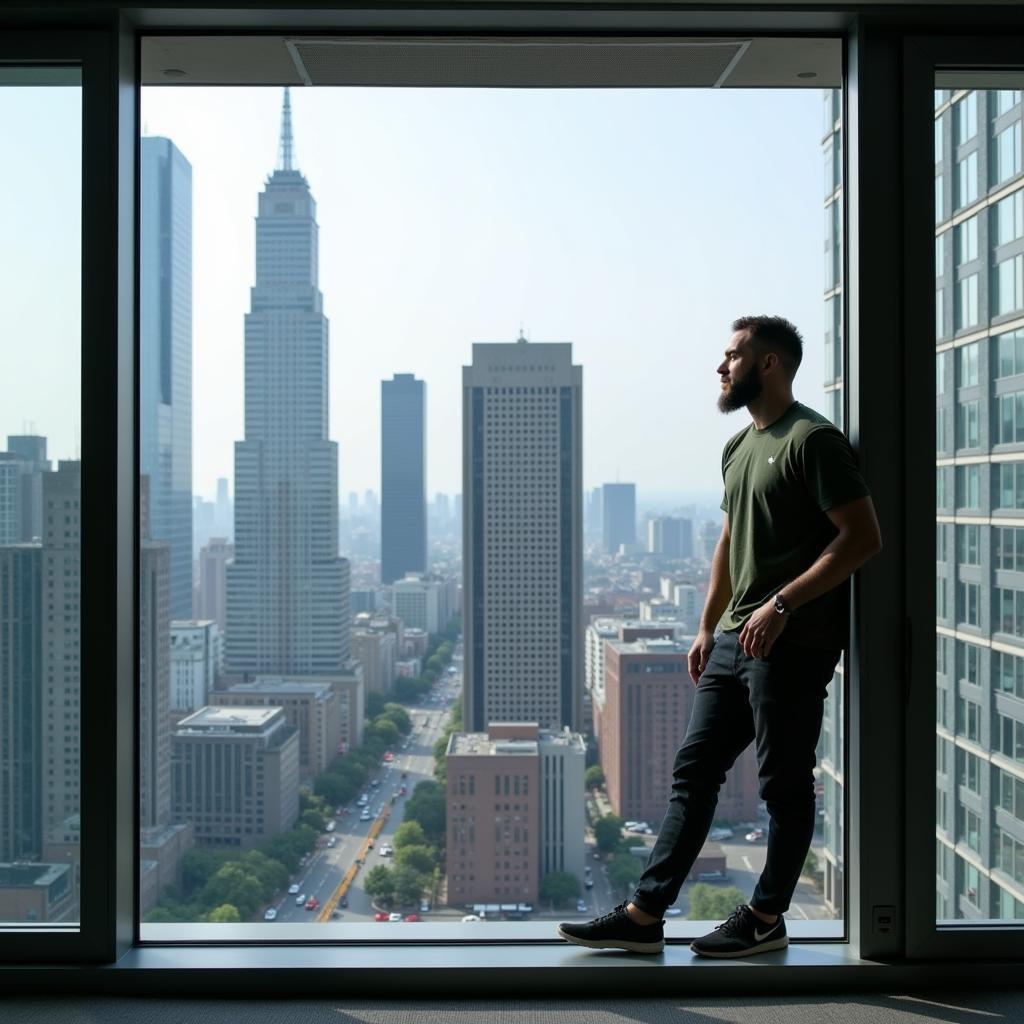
(739, 374)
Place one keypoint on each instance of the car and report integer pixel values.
(581, 906)
(756, 835)
(469, 917)
(596, 855)
(375, 783)
(365, 816)
(716, 835)
(333, 841)
(312, 903)
(380, 916)
(300, 899)
(639, 826)
(673, 912)
(401, 790)
(270, 914)
(424, 906)
(330, 826)
(394, 916)
(412, 917)
(588, 883)
(630, 824)
(335, 913)
(363, 800)
(293, 888)
(388, 756)
(712, 876)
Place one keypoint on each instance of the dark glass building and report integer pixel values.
(403, 483)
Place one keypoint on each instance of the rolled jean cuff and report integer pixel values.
(647, 907)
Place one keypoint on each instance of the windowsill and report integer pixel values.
(425, 971)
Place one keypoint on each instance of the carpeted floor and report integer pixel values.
(930, 1008)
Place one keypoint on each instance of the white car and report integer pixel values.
(293, 888)
(640, 827)
(470, 917)
(270, 915)
(394, 916)
(363, 801)
(365, 816)
(300, 899)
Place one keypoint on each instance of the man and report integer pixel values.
(797, 522)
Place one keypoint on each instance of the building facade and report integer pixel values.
(212, 597)
(522, 535)
(618, 516)
(403, 477)
(197, 659)
(563, 819)
(165, 354)
(287, 588)
(235, 775)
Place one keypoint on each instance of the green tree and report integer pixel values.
(233, 884)
(384, 731)
(374, 704)
(313, 819)
(593, 778)
(409, 833)
(810, 864)
(710, 903)
(380, 883)
(624, 871)
(271, 874)
(224, 914)
(162, 915)
(198, 866)
(608, 832)
(427, 806)
(560, 889)
(397, 714)
(421, 859)
(409, 885)
(435, 664)
(332, 788)
(456, 718)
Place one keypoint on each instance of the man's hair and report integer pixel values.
(774, 334)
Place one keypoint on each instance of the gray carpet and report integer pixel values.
(921, 1008)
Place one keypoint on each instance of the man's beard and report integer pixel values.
(742, 392)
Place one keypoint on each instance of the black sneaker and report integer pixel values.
(743, 934)
(616, 930)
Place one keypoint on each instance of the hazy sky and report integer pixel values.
(635, 224)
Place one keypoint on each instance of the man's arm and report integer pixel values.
(719, 593)
(858, 539)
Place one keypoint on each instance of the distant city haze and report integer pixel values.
(634, 224)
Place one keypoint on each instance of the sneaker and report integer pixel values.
(743, 934)
(616, 930)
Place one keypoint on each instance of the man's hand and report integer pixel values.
(761, 630)
(699, 654)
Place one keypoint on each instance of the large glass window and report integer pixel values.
(1007, 153)
(322, 737)
(1009, 218)
(40, 496)
(1010, 284)
(965, 114)
(967, 179)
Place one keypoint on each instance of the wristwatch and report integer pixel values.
(780, 605)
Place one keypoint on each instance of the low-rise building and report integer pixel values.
(197, 660)
(36, 893)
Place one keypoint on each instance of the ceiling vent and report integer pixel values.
(517, 63)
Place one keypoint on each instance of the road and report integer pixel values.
(320, 875)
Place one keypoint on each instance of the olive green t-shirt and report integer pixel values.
(779, 482)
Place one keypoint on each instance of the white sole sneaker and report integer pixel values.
(753, 951)
(623, 944)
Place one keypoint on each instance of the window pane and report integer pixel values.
(291, 673)
(40, 488)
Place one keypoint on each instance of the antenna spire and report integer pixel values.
(286, 153)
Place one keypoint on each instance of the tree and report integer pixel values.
(332, 788)
(427, 806)
(314, 819)
(420, 858)
(409, 884)
(233, 884)
(271, 874)
(624, 871)
(810, 864)
(593, 778)
(709, 903)
(380, 883)
(374, 704)
(224, 914)
(198, 866)
(409, 833)
(608, 832)
(384, 731)
(397, 714)
(560, 889)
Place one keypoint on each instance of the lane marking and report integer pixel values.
(746, 860)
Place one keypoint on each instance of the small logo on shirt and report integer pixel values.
(771, 459)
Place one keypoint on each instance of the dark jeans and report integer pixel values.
(777, 702)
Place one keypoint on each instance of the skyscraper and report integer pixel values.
(618, 516)
(522, 535)
(21, 650)
(403, 485)
(287, 589)
(21, 488)
(165, 361)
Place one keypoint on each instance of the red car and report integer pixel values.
(412, 917)
(312, 903)
(380, 917)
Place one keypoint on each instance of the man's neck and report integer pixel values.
(769, 408)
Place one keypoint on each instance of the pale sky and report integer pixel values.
(635, 224)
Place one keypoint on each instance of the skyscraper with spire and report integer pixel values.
(287, 588)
